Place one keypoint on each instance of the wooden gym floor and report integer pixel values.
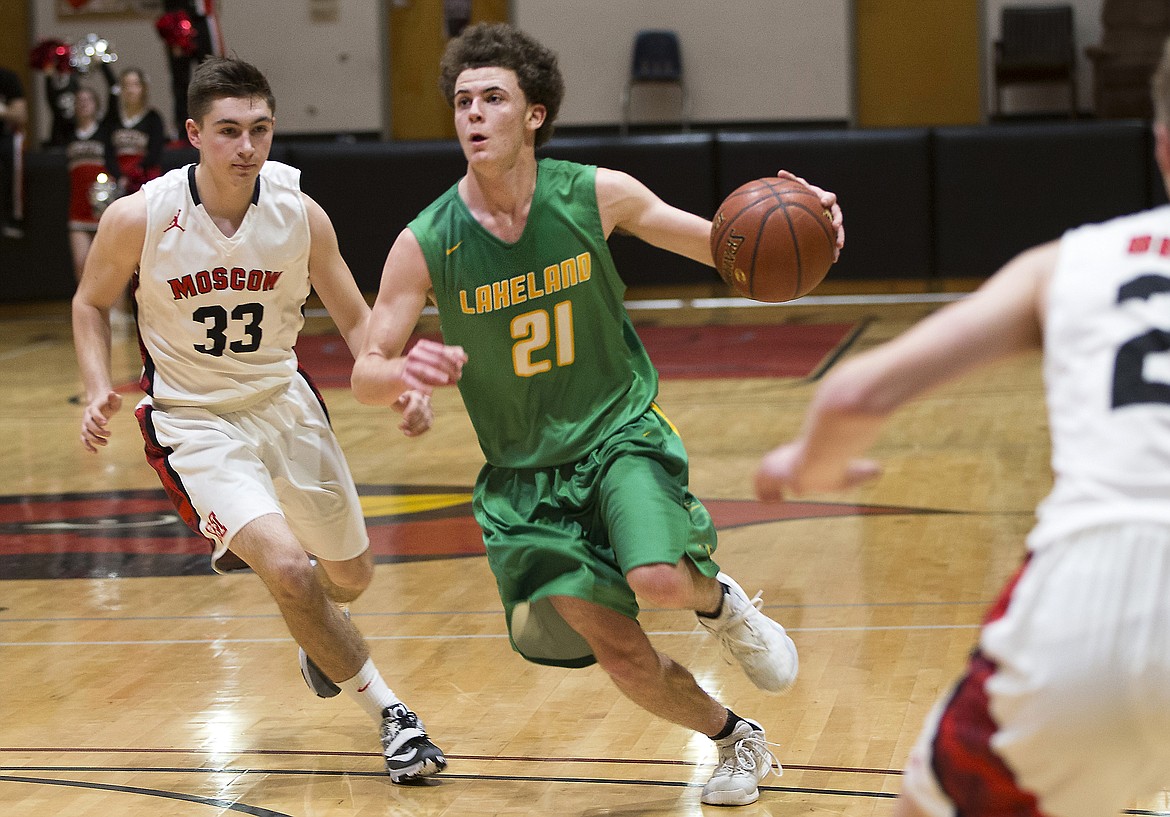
(136, 684)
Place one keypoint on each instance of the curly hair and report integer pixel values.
(500, 45)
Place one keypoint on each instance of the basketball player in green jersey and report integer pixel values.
(583, 501)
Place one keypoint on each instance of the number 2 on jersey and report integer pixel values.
(532, 333)
(1130, 384)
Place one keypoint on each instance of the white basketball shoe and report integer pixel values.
(758, 643)
(744, 760)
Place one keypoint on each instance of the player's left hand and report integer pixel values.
(787, 472)
(417, 415)
(829, 202)
(95, 420)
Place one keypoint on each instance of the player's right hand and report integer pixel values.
(430, 364)
(416, 411)
(95, 430)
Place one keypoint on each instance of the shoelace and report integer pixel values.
(400, 725)
(747, 752)
(741, 615)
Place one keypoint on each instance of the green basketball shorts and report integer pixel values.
(577, 529)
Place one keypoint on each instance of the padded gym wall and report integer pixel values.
(371, 190)
(881, 178)
(1003, 188)
(920, 204)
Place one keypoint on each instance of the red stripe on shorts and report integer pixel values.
(156, 455)
(973, 776)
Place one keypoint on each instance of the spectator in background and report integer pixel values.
(190, 29)
(136, 131)
(88, 154)
(13, 116)
(52, 57)
(61, 95)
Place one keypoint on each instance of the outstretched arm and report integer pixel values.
(381, 373)
(335, 286)
(629, 206)
(847, 413)
(108, 268)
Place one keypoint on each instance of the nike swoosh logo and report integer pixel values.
(364, 688)
(408, 756)
(452, 249)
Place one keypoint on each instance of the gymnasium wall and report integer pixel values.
(747, 61)
(327, 75)
(920, 203)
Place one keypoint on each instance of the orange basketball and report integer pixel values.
(772, 241)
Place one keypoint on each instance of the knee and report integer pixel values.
(663, 585)
(289, 577)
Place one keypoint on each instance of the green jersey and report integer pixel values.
(554, 365)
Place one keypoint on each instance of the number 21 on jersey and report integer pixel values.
(533, 332)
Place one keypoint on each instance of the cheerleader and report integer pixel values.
(136, 131)
(88, 155)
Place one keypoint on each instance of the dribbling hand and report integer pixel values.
(829, 202)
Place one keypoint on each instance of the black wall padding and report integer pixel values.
(371, 190)
(1003, 188)
(881, 178)
(920, 204)
(39, 267)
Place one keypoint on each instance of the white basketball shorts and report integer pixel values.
(1065, 707)
(276, 456)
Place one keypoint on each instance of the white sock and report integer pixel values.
(370, 691)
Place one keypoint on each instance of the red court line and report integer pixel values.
(678, 352)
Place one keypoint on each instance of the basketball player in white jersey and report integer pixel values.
(1064, 710)
(221, 256)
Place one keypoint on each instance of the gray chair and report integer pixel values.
(657, 61)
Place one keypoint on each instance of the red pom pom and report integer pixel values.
(177, 31)
(50, 55)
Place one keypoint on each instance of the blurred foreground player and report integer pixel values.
(1064, 710)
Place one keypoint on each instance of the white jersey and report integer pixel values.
(218, 316)
(1107, 375)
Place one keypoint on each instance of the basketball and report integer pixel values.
(772, 240)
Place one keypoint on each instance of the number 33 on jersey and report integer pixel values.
(225, 310)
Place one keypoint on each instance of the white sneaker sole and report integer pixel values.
(730, 798)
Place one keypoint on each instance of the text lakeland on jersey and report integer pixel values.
(522, 288)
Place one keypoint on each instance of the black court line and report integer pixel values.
(243, 808)
(836, 354)
(260, 812)
(502, 778)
